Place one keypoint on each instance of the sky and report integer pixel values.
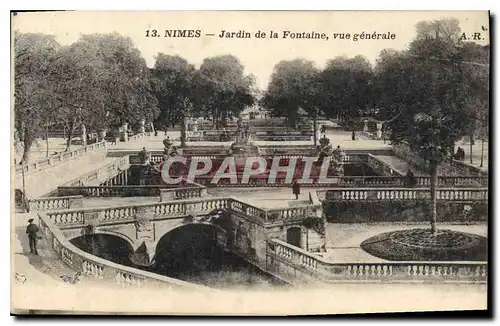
(258, 55)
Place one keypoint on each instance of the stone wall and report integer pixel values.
(448, 168)
(401, 211)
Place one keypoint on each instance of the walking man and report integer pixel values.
(31, 231)
(296, 189)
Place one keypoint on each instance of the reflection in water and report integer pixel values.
(190, 253)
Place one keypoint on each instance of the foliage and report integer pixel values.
(223, 90)
(172, 80)
(348, 88)
(294, 84)
(33, 58)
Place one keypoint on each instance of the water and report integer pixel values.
(190, 254)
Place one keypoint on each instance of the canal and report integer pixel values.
(189, 254)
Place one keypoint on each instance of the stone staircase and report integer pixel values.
(44, 268)
(43, 182)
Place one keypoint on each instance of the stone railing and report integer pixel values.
(366, 135)
(59, 158)
(111, 191)
(101, 269)
(293, 263)
(400, 181)
(193, 191)
(293, 213)
(55, 203)
(137, 136)
(101, 174)
(185, 190)
(381, 166)
(373, 194)
(453, 167)
(198, 206)
(127, 213)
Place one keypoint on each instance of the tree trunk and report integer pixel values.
(433, 170)
(26, 151)
(47, 140)
(482, 152)
(470, 151)
(183, 131)
(315, 128)
(69, 138)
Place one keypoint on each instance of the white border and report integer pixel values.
(181, 5)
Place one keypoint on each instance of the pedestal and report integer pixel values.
(84, 135)
(379, 130)
(124, 132)
(142, 128)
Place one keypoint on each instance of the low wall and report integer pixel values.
(299, 266)
(102, 269)
(101, 174)
(402, 211)
(380, 166)
(197, 191)
(110, 191)
(403, 204)
(55, 203)
(448, 168)
(62, 157)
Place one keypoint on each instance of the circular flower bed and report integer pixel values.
(421, 244)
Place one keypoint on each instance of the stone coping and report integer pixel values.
(103, 269)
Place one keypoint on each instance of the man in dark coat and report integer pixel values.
(296, 189)
(31, 231)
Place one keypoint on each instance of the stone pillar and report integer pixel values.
(142, 126)
(103, 135)
(379, 130)
(365, 128)
(195, 125)
(84, 135)
(124, 132)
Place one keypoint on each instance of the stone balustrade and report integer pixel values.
(183, 193)
(62, 157)
(286, 260)
(127, 213)
(453, 167)
(374, 194)
(366, 135)
(400, 181)
(117, 166)
(181, 207)
(111, 191)
(380, 166)
(101, 269)
(55, 203)
(137, 136)
(237, 206)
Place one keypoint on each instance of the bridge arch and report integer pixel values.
(190, 247)
(111, 246)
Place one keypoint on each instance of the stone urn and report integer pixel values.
(379, 130)
(365, 128)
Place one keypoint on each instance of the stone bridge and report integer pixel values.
(241, 228)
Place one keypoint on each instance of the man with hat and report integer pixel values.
(31, 231)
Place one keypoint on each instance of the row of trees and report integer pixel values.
(430, 95)
(102, 81)
(436, 61)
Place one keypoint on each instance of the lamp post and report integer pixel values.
(24, 187)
